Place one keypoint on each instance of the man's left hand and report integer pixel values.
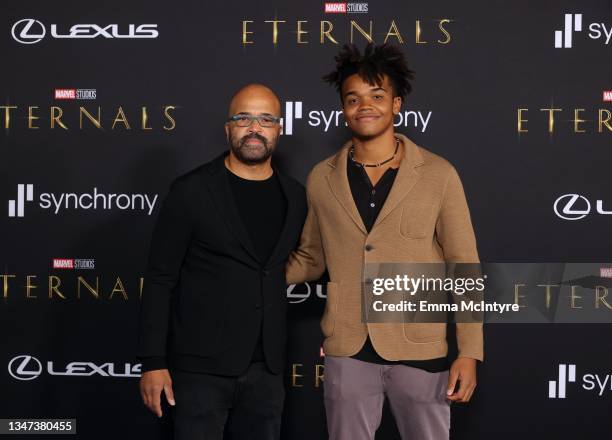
(463, 370)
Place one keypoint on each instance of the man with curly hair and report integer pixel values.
(381, 198)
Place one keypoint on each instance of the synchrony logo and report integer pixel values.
(31, 31)
(84, 201)
(328, 119)
(573, 23)
(27, 367)
(557, 389)
(293, 110)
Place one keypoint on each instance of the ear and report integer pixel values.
(227, 131)
(397, 104)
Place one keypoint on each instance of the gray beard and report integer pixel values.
(251, 155)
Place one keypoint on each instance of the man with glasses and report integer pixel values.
(212, 327)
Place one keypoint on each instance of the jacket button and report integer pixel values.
(265, 272)
(369, 247)
(258, 306)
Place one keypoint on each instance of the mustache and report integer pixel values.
(257, 136)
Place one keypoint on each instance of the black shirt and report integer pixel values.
(369, 200)
(204, 284)
(262, 208)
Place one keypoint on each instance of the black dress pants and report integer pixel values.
(211, 407)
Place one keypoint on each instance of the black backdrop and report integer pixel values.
(477, 64)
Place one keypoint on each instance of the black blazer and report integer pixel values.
(205, 290)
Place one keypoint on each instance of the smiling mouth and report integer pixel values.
(366, 118)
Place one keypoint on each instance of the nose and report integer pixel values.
(255, 127)
(365, 104)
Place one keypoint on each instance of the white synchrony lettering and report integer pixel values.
(96, 199)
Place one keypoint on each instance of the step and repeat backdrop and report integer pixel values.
(103, 104)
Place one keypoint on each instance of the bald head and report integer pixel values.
(255, 99)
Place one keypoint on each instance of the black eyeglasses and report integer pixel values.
(263, 120)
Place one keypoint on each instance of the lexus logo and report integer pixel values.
(30, 31)
(25, 367)
(298, 295)
(576, 207)
(23, 33)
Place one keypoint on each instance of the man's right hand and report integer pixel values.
(151, 385)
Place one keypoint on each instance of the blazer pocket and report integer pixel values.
(328, 321)
(416, 220)
(425, 332)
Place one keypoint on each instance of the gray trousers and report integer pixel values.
(354, 393)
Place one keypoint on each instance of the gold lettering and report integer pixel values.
(368, 36)
(444, 31)
(31, 117)
(394, 31)
(274, 29)
(121, 118)
(119, 288)
(167, 108)
(54, 283)
(577, 120)
(326, 29)
(295, 376)
(144, 119)
(301, 32)
(603, 121)
(517, 296)
(574, 297)
(418, 33)
(601, 298)
(548, 293)
(56, 118)
(95, 292)
(319, 374)
(7, 114)
(30, 286)
(551, 117)
(95, 122)
(521, 120)
(5, 277)
(245, 32)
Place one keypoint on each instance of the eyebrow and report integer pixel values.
(261, 114)
(373, 89)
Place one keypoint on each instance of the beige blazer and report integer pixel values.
(424, 219)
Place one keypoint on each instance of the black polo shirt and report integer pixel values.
(369, 200)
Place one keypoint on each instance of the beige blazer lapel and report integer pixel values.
(407, 176)
(339, 186)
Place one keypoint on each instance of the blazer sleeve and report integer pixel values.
(456, 237)
(307, 262)
(169, 244)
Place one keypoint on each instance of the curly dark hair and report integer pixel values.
(376, 61)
